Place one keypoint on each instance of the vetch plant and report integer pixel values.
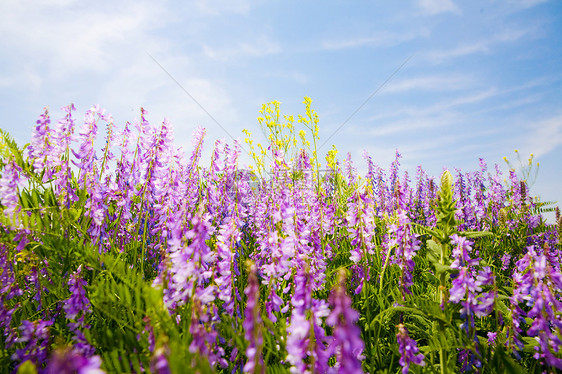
(137, 258)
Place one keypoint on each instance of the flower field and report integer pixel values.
(135, 258)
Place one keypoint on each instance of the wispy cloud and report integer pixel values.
(543, 136)
(469, 99)
(262, 46)
(217, 7)
(438, 109)
(412, 124)
(384, 39)
(480, 46)
(453, 145)
(438, 6)
(434, 83)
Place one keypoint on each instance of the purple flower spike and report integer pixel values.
(9, 186)
(408, 349)
(35, 335)
(467, 291)
(40, 147)
(76, 308)
(159, 362)
(538, 284)
(61, 144)
(252, 325)
(347, 345)
(407, 244)
(307, 341)
(226, 240)
(70, 362)
(298, 331)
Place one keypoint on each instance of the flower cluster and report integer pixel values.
(347, 344)
(409, 351)
(76, 309)
(538, 285)
(467, 290)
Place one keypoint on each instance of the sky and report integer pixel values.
(444, 82)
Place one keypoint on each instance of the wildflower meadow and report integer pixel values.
(135, 258)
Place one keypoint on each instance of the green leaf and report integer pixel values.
(27, 368)
(440, 268)
(476, 234)
(434, 248)
(435, 233)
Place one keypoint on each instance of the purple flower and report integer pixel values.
(506, 260)
(35, 338)
(40, 146)
(9, 191)
(467, 286)
(58, 159)
(306, 339)
(86, 153)
(78, 302)
(408, 349)
(204, 337)
(8, 290)
(297, 341)
(492, 338)
(76, 308)
(539, 285)
(69, 361)
(253, 325)
(394, 169)
(188, 262)
(159, 362)
(467, 290)
(89, 177)
(360, 225)
(407, 245)
(226, 240)
(351, 172)
(462, 248)
(347, 344)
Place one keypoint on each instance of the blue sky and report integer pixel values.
(483, 78)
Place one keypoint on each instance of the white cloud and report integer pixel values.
(512, 104)
(469, 99)
(360, 42)
(438, 6)
(413, 124)
(438, 109)
(262, 46)
(64, 50)
(459, 51)
(64, 37)
(435, 83)
(383, 39)
(217, 7)
(144, 83)
(26, 77)
(481, 46)
(543, 136)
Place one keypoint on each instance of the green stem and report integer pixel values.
(387, 258)
(442, 287)
(442, 357)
